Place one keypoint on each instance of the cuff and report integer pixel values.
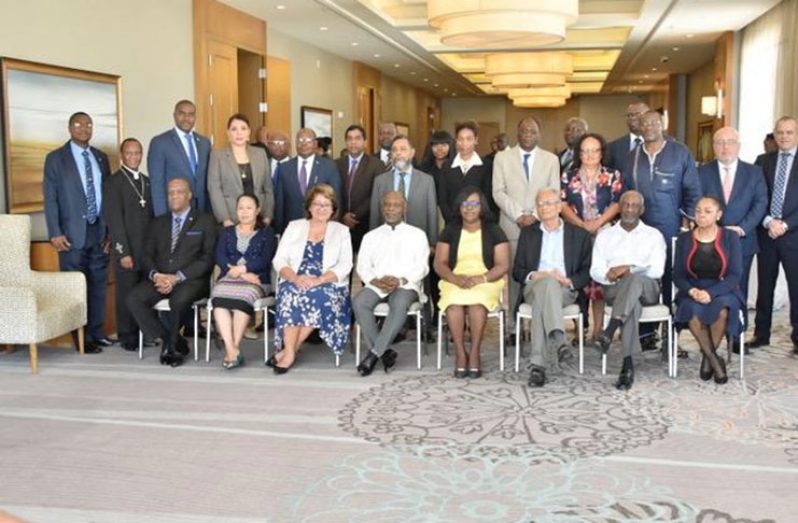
(766, 221)
(151, 276)
(181, 277)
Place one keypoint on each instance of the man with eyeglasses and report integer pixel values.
(299, 174)
(552, 263)
(741, 187)
(618, 151)
(664, 172)
(778, 239)
(180, 152)
(628, 259)
(74, 175)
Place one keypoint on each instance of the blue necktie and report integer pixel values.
(175, 232)
(777, 202)
(192, 156)
(91, 195)
(526, 165)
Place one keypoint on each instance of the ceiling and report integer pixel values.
(617, 45)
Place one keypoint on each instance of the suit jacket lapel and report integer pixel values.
(189, 223)
(233, 166)
(72, 170)
(178, 141)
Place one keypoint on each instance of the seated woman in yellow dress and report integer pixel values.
(472, 257)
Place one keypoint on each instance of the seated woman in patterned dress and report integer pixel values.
(472, 258)
(707, 266)
(313, 262)
(244, 255)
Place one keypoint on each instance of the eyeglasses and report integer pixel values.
(306, 140)
(79, 125)
(321, 205)
(725, 143)
(547, 203)
(651, 123)
(590, 151)
(634, 115)
(276, 142)
(470, 204)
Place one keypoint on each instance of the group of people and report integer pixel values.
(592, 225)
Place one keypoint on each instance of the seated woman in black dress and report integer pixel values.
(706, 271)
(244, 255)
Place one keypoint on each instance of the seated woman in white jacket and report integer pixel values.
(313, 261)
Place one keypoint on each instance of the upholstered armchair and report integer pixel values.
(35, 306)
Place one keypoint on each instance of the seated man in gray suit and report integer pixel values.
(393, 261)
(418, 188)
(179, 153)
(552, 263)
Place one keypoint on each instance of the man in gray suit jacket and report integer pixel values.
(419, 189)
(179, 153)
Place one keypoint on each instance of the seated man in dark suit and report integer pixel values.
(741, 186)
(178, 260)
(552, 262)
(299, 174)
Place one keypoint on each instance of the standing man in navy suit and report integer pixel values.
(620, 149)
(299, 174)
(73, 196)
(179, 153)
(778, 235)
(741, 186)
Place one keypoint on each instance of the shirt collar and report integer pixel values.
(310, 159)
(134, 172)
(530, 153)
(555, 231)
(731, 166)
(182, 215)
(398, 172)
(790, 152)
(475, 160)
(181, 133)
(77, 148)
(633, 137)
(355, 158)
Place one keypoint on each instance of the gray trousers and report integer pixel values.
(365, 303)
(547, 298)
(627, 298)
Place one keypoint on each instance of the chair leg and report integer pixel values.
(337, 361)
(501, 341)
(357, 344)
(440, 337)
(81, 341)
(196, 333)
(208, 332)
(518, 332)
(141, 344)
(674, 361)
(34, 359)
(265, 336)
(581, 325)
(418, 340)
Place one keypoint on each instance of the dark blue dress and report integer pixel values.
(326, 306)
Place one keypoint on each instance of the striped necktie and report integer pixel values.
(91, 195)
(176, 226)
(777, 203)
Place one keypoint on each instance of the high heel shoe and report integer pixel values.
(388, 359)
(474, 373)
(239, 361)
(705, 373)
(367, 365)
(460, 373)
(722, 377)
(280, 370)
(272, 361)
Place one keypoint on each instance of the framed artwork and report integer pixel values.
(402, 128)
(38, 100)
(704, 145)
(319, 120)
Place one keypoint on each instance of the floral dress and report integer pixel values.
(589, 199)
(326, 306)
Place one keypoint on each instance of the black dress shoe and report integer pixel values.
(280, 370)
(705, 372)
(388, 359)
(166, 354)
(272, 361)
(366, 366)
(564, 354)
(130, 347)
(757, 342)
(721, 377)
(795, 349)
(626, 378)
(537, 377)
(176, 360)
(736, 347)
(103, 342)
(181, 346)
(602, 343)
(149, 342)
(90, 347)
(649, 343)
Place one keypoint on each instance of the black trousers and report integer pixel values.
(772, 253)
(141, 300)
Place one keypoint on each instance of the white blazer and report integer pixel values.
(337, 249)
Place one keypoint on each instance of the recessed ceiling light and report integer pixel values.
(426, 79)
(355, 44)
(645, 76)
(412, 73)
(445, 90)
(454, 94)
(690, 35)
(280, 7)
(675, 48)
(653, 68)
(640, 81)
(396, 65)
(377, 55)
(436, 85)
(322, 28)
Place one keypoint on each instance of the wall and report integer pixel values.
(156, 64)
(604, 114)
(700, 83)
(318, 79)
(406, 104)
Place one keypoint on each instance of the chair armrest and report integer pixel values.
(17, 300)
(17, 315)
(71, 283)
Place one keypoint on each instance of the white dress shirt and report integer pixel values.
(643, 248)
(401, 251)
(474, 160)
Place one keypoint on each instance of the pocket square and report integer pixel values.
(193, 233)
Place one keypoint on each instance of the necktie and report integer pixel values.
(352, 168)
(303, 178)
(466, 166)
(175, 232)
(727, 183)
(566, 158)
(777, 203)
(192, 156)
(402, 183)
(637, 143)
(526, 166)
(91, 195)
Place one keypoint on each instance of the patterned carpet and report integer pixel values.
(108, 438)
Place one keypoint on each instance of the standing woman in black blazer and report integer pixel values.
(467, 169)
(438, 155)
(239, 169)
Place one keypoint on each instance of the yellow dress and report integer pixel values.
(470, 263)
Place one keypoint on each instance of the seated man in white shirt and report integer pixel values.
(552, 262)
(392, 264)
(628, 259)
